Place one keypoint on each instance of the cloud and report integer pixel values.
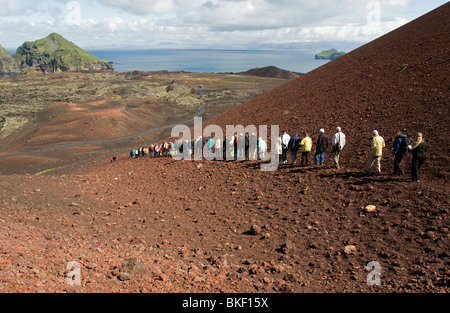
(201, 23)
(141, 7)
(15, 7)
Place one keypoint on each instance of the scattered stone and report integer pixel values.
(255, 230)
(164, 277)
(123, 276)
(135, 266)
(350, 249)
(370, 208)
(287, 247)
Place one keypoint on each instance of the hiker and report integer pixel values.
(240, 145)
(285, 142)
(253, 153)
(172, 148)
(235, 144)
(321, 147)
(376, 151)
(418, 150)
(401, 148)
(337, 143)
(229, 148)
(293, 146)
(186, 149)
(247, 146)
(198, 146)
(262, 147)
(306, 145)
(152, 150)
(279, 149)
(218, 149)
(210, 145)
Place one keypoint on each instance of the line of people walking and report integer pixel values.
(239, 147)
(305, 145)
(402, 146)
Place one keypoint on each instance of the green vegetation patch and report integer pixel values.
(48, 171)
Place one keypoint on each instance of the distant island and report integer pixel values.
(331, 54)
(51, 54)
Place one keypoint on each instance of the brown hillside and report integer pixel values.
(398, 82)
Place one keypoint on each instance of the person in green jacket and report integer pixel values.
(418, 149)
(376, 152)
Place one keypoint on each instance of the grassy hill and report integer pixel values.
(54, 53)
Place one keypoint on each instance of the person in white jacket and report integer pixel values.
(284, 145)
(337, 143)
(262, 147)
(278, 148)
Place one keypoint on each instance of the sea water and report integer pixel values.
(208, 61)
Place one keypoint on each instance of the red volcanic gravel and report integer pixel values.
(159, 225)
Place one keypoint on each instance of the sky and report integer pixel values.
(206, 24)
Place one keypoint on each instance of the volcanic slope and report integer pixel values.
(398, 82)
(160, 225)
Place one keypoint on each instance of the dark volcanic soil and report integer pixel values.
(158, 225)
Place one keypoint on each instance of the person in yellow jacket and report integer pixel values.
(306, 146)
(376, 152)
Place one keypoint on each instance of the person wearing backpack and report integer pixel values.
(401, 148)
(293, 145)
(338, 143)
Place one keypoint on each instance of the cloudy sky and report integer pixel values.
(234, 24)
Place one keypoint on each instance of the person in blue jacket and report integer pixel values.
(210, 144)
(401, 148)
(294, 145)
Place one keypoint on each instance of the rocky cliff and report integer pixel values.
(54, 53)
(7, 63)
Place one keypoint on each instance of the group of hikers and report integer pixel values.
(242, 147)
(402, 146)
(152, 151)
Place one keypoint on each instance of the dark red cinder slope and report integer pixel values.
(399, 81)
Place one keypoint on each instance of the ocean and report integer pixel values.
(208, 61)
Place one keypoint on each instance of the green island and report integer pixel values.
(51, 54)
(331, 54)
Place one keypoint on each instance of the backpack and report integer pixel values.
(404, 145)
